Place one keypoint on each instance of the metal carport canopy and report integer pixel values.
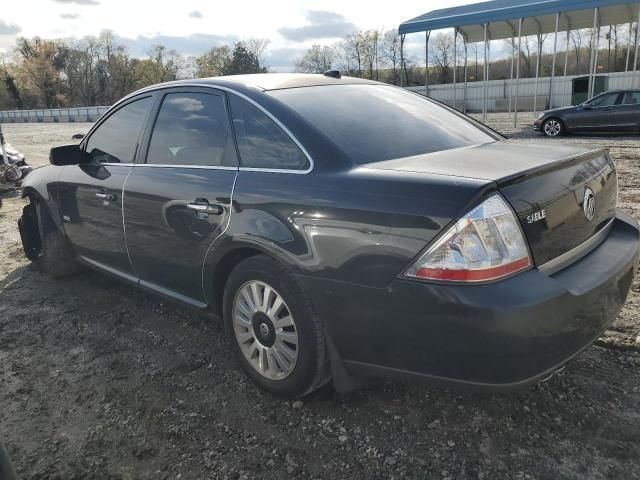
(502, 16)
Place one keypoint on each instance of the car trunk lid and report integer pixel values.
(563, 195)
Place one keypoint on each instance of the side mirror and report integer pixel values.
(66, 155)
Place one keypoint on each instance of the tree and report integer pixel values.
(120, 73)
(441, 54)
(257, 46)
(83, 70)
(390, 53)
(41, 64)
(162, 66)
(212, 62)
(242, 61)
(317, 59)
(576, 38)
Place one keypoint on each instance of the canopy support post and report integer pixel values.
(486, 73)
(401, 58)
(566, 54)
(595, 60)
(539, 54)
(566, 51)
(635, 57)
(626, 63)
(515, 117)
(455, 63)
(513, 53)
(553, 61)
(426, 62)
(464, 95)
(593, 42)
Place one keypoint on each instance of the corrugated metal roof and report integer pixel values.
(502, 16)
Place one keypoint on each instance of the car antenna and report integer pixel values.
(332, 74)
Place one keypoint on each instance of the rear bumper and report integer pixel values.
(506, 334)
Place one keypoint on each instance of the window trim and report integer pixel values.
(153, 119)
(112, 111)
(157, 89)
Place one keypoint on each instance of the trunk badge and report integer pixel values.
(589, 204)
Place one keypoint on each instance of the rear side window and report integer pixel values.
(262, 143)
(192, 129)
(372, 123)
(116, 139)
(631, 98)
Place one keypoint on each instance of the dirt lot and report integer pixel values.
(99, 381)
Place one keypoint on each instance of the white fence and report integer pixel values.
(499, 92)
(53, 115)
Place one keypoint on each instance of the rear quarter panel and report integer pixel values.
(359, 226)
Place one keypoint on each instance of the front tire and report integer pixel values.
(56, 257)
(273, 329)
(553, 127)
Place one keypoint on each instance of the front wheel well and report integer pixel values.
(223, 269)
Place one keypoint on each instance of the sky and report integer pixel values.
(192, 26)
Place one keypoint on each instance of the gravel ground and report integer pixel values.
(99, 381)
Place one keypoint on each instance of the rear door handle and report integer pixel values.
(106, 197)
(204, 209)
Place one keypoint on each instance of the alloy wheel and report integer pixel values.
(265, 330)
(552, 128)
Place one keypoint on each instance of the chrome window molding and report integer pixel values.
(186, 165)
(251, 101)
(576, 253)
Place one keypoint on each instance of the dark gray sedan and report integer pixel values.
(612, 111)
(342, 228)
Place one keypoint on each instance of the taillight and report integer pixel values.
(486, 244)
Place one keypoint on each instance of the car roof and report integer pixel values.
(622, 90)
(276, 81)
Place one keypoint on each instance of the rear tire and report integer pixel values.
(273, 329)
(553, 127)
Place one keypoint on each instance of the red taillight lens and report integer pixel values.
(486, 244)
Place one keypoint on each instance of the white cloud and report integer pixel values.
(291, 25)
(9, 28)
(321, 24)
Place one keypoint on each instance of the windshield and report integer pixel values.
(373, 123)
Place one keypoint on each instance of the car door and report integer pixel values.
(625, 116)
(179, 201)
(90, 194)
(595, 115)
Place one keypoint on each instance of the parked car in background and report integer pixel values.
(343, 228)
(612, 111)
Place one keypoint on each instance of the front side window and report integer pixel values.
(116, 139)
(373, 123)
(606, 100)
(192, 129)
(261, 142)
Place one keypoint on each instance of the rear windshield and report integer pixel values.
(373, 123)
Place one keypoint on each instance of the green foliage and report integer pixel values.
(242, 61)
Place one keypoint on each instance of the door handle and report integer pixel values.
(106, 197)
(205, 209)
